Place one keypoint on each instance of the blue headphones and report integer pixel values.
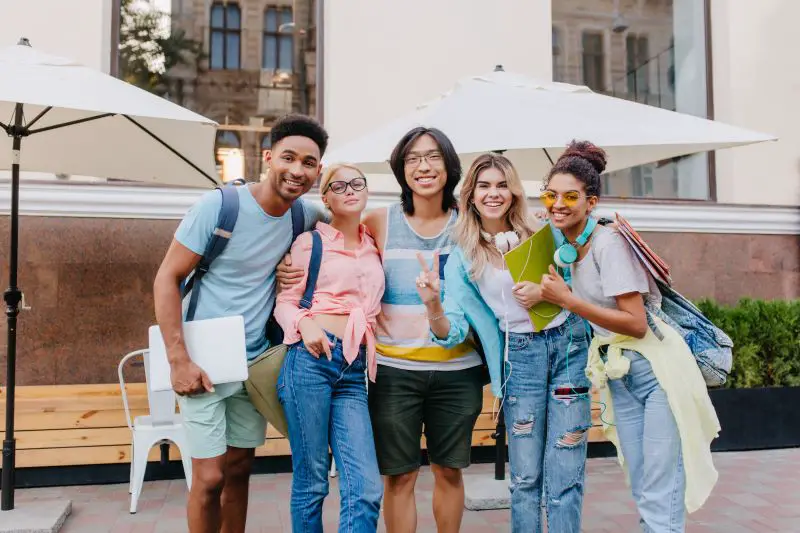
(567, 253)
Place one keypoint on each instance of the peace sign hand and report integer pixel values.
(428, 285)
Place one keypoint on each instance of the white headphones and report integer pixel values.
(503, 241)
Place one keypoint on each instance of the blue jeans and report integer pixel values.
(326, 405)
(547, 408)
(651, 446)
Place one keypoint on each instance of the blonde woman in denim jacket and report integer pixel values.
(542, 379)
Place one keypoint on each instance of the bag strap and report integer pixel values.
(651, 323)
(226, 221)
(313, 270)
(298, 219)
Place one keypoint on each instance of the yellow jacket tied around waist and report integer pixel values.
(676, 370)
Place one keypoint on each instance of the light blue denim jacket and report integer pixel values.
(465, 309)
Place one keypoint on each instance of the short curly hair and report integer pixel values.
(302, 125)
(585, 161)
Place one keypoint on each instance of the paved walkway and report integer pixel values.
(757, 492)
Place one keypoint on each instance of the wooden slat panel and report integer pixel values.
(76, 403)
(72, 419)
(72, 391)
(85, 424)
(95, 455)
(91, 455)
(60, 398)
(71, 438)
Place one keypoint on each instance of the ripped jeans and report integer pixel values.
(547, 410)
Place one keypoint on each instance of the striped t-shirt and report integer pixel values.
(404, 337)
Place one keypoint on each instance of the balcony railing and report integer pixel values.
(628, 87)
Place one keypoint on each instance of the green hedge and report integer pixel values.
(766, 337)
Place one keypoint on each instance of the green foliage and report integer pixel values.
(766, 337)
(148, 48)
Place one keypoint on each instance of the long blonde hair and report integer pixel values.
(467, 230)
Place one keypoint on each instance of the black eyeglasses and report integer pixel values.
(339, 187)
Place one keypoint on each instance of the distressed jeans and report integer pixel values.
(651, 446)
(547, 408)
(325, 403)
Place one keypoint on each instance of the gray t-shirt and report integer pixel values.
(610, 269)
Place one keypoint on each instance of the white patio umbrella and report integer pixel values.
(532, 121)
(62, 117)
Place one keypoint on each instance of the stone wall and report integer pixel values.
(89, 283)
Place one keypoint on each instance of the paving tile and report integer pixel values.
(754, 493)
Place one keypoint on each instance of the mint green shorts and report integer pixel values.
(216, 420)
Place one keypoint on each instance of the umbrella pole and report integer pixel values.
(13, 297)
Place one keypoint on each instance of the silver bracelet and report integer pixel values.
(435, 318)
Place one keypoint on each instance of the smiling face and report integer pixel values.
(294, 166)
(346, 193)
(566, 201)
(492, 197)
(425, 170)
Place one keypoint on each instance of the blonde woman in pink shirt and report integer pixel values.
(332, 346)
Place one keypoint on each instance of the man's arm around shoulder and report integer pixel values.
(375, 221)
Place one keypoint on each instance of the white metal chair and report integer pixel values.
(162, 425)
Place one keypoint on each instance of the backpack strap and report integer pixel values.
(298, 218)
(226, 221)
(313, 270)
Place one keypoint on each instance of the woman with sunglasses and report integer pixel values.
(658, 413)
(540, 374)
(331, 347)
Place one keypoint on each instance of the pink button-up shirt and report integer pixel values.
(350, 282)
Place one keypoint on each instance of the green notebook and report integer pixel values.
(529, 262)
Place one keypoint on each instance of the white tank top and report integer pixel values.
(495, 286)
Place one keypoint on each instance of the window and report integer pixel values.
(642, 180)
(229, 155)
(213, 60)
(637, 66)
(226, 36)
(278, 43)
(558, 57)
(593, 61)
(266, 144)
(652, 52)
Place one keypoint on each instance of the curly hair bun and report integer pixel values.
(588, 151)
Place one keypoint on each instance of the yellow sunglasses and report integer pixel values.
(570, 198)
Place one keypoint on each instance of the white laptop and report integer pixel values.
(217, 345)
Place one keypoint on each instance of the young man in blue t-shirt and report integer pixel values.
(222, 425)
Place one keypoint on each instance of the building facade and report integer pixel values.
(728, 223)
(628, 50)
(258, 64)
